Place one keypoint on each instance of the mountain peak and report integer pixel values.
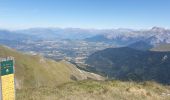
(158, 29)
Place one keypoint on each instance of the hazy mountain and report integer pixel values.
(59, 33)
(118, 36)
(11, 38)
(130, 64)
(154, 36)
(10, 35)
(160, 36)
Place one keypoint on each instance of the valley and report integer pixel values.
(84, 50)
(71, 50)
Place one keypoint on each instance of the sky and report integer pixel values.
(98, 14)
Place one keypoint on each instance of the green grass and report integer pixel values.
(97, 90)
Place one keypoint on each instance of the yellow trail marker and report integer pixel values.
(8, 87)
(7, 79)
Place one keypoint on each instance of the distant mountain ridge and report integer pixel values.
(59, 33)
(10, 35)
(153, 36)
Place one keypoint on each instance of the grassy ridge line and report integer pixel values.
(98, 90)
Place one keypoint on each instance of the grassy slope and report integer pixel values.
(36, 71)
(96, 90)
(32, 71)
(163, 47)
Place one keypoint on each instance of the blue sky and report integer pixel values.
(100, 14)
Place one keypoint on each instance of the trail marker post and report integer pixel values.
(7, 78)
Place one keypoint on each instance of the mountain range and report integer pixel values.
(120, 37)
(59, 33)
(153, 36)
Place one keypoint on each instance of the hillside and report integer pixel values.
(161, 47)
(97, 90)
(140, 45)
(36, 71)
(130, 64)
